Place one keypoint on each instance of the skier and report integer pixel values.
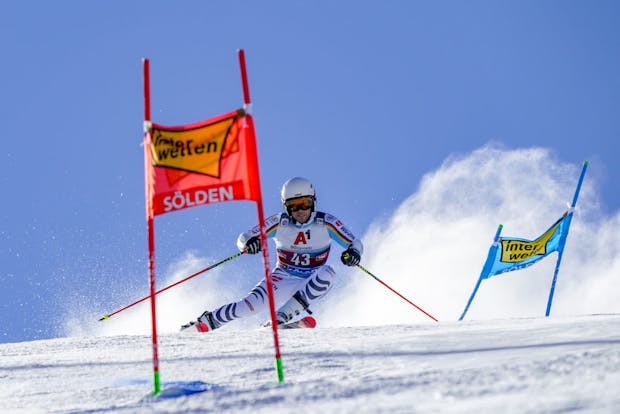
(301, 277)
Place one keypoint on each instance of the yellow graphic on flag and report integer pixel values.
(519, 250)
(198, 150)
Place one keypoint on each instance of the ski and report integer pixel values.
(307, 322)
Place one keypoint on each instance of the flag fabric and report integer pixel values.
(203, 163)
(510, 253)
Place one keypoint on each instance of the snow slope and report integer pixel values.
(533, 365)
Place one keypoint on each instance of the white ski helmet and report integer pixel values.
(297, 187)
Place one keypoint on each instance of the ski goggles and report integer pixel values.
(301, 203)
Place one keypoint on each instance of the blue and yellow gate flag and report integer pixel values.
(507, 254)
(510, 253)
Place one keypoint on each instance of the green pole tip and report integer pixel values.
(156, 383)
(501, 226)
(586, 162)
(280, 370)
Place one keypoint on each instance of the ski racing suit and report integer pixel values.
(301, 276)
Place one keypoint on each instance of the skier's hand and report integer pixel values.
(350, 257)
(252, 246)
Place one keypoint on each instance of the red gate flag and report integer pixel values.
(203, 163)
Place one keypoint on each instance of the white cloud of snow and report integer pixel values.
(432, 248)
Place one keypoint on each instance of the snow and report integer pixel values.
(517, 365)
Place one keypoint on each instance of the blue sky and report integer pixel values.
(362, 98)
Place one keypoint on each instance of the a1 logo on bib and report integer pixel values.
(302, 238)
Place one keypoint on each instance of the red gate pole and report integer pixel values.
(261, 219)
(150, 221)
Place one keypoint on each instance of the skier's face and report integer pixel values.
(302, 216)
(300, 208)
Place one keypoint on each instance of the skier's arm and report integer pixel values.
(249, 241)
(343, 236)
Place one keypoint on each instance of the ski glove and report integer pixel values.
(252, 246)
(350, 257)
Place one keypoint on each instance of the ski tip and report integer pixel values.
(308, 322)
(104, 317)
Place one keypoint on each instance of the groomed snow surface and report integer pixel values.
(533, 365)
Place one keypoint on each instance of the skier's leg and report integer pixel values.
(315, 287)
(254, 302)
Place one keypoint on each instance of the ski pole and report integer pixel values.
(234, 256)
(385, 284)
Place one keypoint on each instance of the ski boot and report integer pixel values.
(294, 307)
(204, 323)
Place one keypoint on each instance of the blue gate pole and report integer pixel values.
(485, 269)
(564, 236)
